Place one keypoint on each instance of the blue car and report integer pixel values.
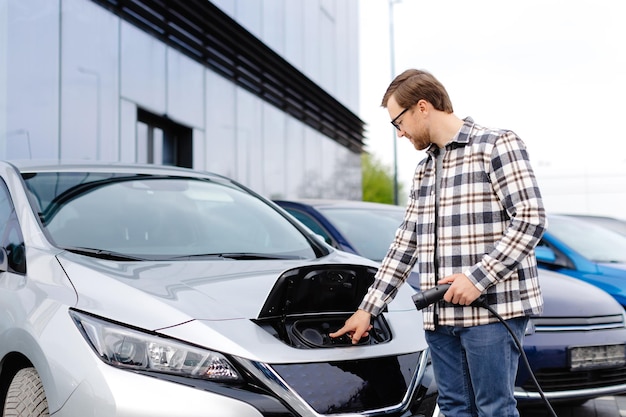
(576, 349)
(586, 251)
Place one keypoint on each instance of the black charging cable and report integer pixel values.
(425, 298)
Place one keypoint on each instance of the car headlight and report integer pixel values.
(129, 348)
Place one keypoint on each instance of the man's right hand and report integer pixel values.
(357, 326)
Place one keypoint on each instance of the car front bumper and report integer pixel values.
(548, 354)
(110, 391)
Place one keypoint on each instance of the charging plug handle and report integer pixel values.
(425, 298)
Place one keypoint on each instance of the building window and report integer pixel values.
(162, 141)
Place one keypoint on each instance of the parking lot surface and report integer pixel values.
(611, 406)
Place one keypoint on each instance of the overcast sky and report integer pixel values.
(552, 71)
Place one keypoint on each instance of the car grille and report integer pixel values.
(352, 386)
(561, 324)
(564, 379)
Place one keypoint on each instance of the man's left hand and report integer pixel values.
(462, 291)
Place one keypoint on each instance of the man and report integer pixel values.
(473, 219)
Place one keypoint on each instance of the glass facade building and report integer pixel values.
(262, 91)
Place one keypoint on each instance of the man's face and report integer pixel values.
(410, 123)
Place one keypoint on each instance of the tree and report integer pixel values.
(377, 180)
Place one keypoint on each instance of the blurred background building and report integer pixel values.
(263, 91)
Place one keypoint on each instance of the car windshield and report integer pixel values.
(160, 217)
(594, 242)
(370, 231)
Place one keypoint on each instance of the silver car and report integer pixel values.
(154, 291)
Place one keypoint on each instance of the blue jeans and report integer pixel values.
(475, 368)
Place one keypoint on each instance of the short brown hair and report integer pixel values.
(414, 85)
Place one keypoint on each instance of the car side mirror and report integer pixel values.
(545, 255)
(4, 263)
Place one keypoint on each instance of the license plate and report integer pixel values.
(590, 357)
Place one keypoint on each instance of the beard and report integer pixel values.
(420, 141)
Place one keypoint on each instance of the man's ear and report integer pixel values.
(422, 106)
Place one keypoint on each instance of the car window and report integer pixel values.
(312, 224)
(161, 216)
(370, 231)
(591, 241)
(10, 233)
(6, 208)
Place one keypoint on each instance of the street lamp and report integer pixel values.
(392, 56)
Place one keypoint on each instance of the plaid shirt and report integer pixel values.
(491, 217)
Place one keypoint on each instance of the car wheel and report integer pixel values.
(26, 396)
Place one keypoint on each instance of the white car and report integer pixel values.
(159, 291)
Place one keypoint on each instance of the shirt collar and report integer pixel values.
(461, 138)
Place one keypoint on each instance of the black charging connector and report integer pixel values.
(423, 299)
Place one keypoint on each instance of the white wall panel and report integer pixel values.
(143, 69)
(128, 131)
(185, 86)
(347, 63)
(31, 68)
(327, 46)
(273, 25)
(220, 139)
(294, 158)
(294, 34)
(248, 14)
(348, 174)
(89, 79)
(4, 34)
(274, 152)
(227, 6)
(311, 24)
(199, 149)
(312, 181)
(249, 140)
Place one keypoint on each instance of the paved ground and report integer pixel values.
(600, 407)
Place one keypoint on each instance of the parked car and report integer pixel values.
(359, 227)
(159, 291)
(612, 223)
(576, 349)
(586, 251)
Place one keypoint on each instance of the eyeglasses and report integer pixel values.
(396, 124)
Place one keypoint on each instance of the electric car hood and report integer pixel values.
(214, 303)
